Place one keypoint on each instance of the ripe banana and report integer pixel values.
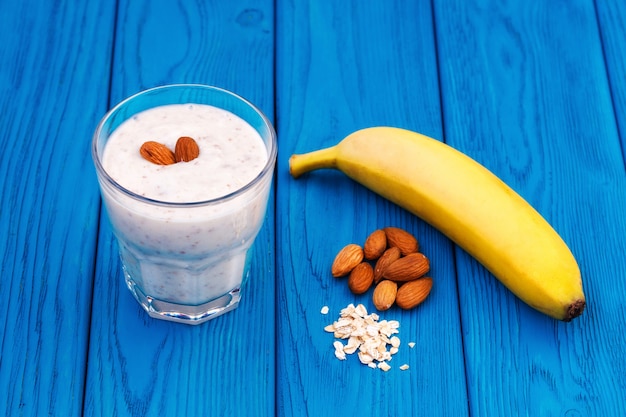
(467, 203)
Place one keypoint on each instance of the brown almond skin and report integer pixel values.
(400, 238)
(413, 293)
(388, 257)
(384, 295)
(361, 278)
(407, 268)
(186, 149)
(157, 153)
(375, 245)
(346, 260)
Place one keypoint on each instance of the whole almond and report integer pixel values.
(375, 245)
(388, 257)
(413, 293)
(346, 260)
(361, 278)
(407, 268)
(384, 295)
(157, 153)
(186, 149)
(400, 238)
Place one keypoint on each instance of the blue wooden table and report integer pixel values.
(534, 90)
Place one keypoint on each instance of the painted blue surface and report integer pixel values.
(533, 90)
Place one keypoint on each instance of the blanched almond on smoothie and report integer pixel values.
(186, 149)
(157, 153)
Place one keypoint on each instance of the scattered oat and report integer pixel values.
(411, 344)
(366, 335)
(324, 310)
(404, 367)
(339, 352)
(384, 366)
(395, 341)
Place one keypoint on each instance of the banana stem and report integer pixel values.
(303, 163)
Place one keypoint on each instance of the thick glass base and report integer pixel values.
(188, 314)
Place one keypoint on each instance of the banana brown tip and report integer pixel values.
(574, 310)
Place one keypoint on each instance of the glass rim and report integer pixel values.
(269, 164)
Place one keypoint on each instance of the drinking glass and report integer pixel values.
(186, 261)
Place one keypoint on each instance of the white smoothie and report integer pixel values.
(232, 153)
(186, 254)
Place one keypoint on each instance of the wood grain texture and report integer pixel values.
(525, 91)
(533, 90)
(140, 366)
(53, 84)
(226, 44)
(612, 24)
(342, 67)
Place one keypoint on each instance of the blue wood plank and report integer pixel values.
(525, 91)
(612, 22)
(54, 60)
(142, 366)
(342, 67)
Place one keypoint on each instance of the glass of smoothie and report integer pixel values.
(185, 219)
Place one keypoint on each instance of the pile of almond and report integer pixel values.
(391, 262)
